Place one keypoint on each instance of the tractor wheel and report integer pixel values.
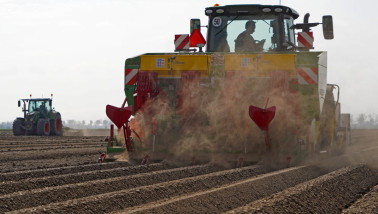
(43, 127)
(56, 126)
(17, 127)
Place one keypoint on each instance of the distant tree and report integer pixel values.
(361, 119)
(73, 123)
(376, 119)
(6, 125)
(106, 123)
(81, 124)
(370, 120)
(98, 123)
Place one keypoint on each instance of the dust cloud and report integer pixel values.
(364, 147)
(123, 156)
(213, 121)
(85, 132)
(362, 150)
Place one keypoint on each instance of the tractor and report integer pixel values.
(40, 118)
(257, 64)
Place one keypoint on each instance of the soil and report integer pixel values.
(61, 175)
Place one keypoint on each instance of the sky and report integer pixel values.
(75, 49)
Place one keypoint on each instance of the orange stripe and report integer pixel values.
(302, 40)
(306, 77)
(315, 70)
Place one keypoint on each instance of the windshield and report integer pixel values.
(246, 33)
(35, 105)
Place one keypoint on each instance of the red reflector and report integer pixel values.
(196, 38)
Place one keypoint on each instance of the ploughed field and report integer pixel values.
(61, 175)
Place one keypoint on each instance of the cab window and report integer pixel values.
(228, 28)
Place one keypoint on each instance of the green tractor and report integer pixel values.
(39, 118)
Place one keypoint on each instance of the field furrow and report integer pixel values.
(61, 175)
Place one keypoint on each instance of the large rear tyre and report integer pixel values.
(56, 126)
(18, 125)
(43, 127)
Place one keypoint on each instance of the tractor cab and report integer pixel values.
(274, 28)
(39, 104)
(36, 105)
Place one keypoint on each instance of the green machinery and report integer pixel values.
(39, 118)
(196, 100)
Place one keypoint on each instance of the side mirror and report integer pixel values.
(19, 103)
(50, 102)
(195, 24)
(327, 27)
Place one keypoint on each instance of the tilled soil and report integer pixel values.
(60, 175)
(327, 194)
(367, 204)
(35, 152)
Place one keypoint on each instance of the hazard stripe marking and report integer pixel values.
(303, 43)
(308, 37)
(310, 72)
(131, 76)
(178, 42)
(307, 76)
(305, 39)
(182, 41)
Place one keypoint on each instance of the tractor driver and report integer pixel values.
(245, 42)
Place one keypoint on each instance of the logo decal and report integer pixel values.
(245, 62)
(160, 63)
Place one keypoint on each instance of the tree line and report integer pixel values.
(364, 121)
(74, 124)
(360, 121)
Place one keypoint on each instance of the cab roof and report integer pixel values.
(37, 99)
(250, 9)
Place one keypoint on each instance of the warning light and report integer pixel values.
(216, 5)
(209, 11)
(278, 10)
(266, 10)
(30, 95)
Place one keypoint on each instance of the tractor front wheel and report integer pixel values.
(18, 125)
(43, 127)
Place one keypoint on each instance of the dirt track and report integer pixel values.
(60, 175)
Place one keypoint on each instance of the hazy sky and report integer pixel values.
(76, 49)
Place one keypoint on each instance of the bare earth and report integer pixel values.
(61, 175)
